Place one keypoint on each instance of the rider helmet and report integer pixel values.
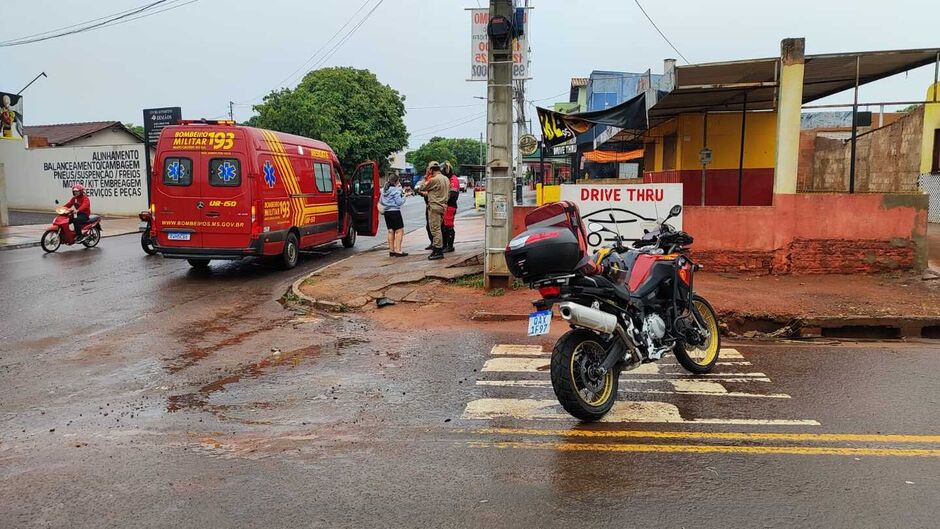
(615, 267)
(78, 189)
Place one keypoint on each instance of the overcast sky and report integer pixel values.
(202, 55)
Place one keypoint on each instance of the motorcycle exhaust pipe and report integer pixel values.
(587, 317)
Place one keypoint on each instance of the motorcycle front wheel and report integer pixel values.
(50, 241)
(92, 238)
(701, 358)
(579, 390)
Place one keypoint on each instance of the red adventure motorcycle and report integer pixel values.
(61, 232)
(626, 305)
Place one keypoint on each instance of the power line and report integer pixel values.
(98, 23)
(432, 133)
(441, 106)
(325, 44)
(348, 35)
(468, 116)
(661, 34)
(309, 59)
(70, 26)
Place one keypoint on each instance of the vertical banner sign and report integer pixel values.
(11, 116)
(624, 209)
(155, 120)
(479, 48)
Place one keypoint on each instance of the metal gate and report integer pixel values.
(930, 184)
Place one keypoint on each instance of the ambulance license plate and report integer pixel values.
(540, 322)
(177, 236)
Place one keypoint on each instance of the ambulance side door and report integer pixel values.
(364, 198)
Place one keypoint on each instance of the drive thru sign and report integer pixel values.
(633, 207)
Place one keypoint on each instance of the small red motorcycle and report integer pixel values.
(61, 232)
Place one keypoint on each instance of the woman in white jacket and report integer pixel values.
(392, 199)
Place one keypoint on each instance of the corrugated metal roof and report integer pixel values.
(578, 82)
(723, 85)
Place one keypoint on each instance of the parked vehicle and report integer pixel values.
(146, 236)
(224, 191)
(60, 231)
(464, 183)
(625, 306)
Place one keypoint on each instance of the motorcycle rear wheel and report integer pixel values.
(701, 359)
(92, 238)
(146, 244)
(50, 241)
(583, 396)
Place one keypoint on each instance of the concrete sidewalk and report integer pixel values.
(26, 236)
(361, 279)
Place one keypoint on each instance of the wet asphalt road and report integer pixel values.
(197, 400)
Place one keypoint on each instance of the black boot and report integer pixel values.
(448, 249)
(436, 254)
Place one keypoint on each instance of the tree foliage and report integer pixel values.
(359, 117)
(136, 129)
(457, 151)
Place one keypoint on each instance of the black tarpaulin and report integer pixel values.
(558, 128)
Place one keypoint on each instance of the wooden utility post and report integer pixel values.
(499, 178)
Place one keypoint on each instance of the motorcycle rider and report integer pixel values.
(81, 205)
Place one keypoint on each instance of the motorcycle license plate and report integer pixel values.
(177, 236)
(142, 226)
(540, 322)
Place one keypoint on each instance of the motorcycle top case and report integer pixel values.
(541, 252)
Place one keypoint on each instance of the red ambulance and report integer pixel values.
(224, 191)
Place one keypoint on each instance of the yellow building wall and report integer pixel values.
(724, 139)
(931, 123)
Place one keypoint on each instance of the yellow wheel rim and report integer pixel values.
(705, 354)
(590, 396)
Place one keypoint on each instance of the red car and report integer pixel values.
(224, 191)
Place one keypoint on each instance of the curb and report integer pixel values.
(37, 243)
(327, 305)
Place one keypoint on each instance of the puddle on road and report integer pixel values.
(200, 399)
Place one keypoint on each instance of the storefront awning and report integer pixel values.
(722, 86)
(613, 156)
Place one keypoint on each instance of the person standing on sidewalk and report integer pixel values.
(392, 200)
(427, 221)
(451, 211)
(435, 189)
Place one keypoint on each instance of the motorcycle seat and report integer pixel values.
(599, 281)
(93, 218)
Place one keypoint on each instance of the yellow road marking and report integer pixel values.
(518, 350)
(704, 449)
(732, 436)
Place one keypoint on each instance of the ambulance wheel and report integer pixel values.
(198, 264)
(350, 239)
(291, 253)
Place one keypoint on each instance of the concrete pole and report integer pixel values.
(789, 103)
(4, 211)
(499, 181)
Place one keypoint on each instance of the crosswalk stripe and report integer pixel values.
(622, 411)
(518, 350)
(680, 387)
(623, 380)
(539, 365)
(726, 353)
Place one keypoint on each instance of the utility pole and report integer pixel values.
(499, 183)
(520, 131)
(231, 110)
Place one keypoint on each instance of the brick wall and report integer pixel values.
(887, 159)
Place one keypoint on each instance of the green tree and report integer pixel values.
(359, 117)
(136, 129)
(457, 151)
